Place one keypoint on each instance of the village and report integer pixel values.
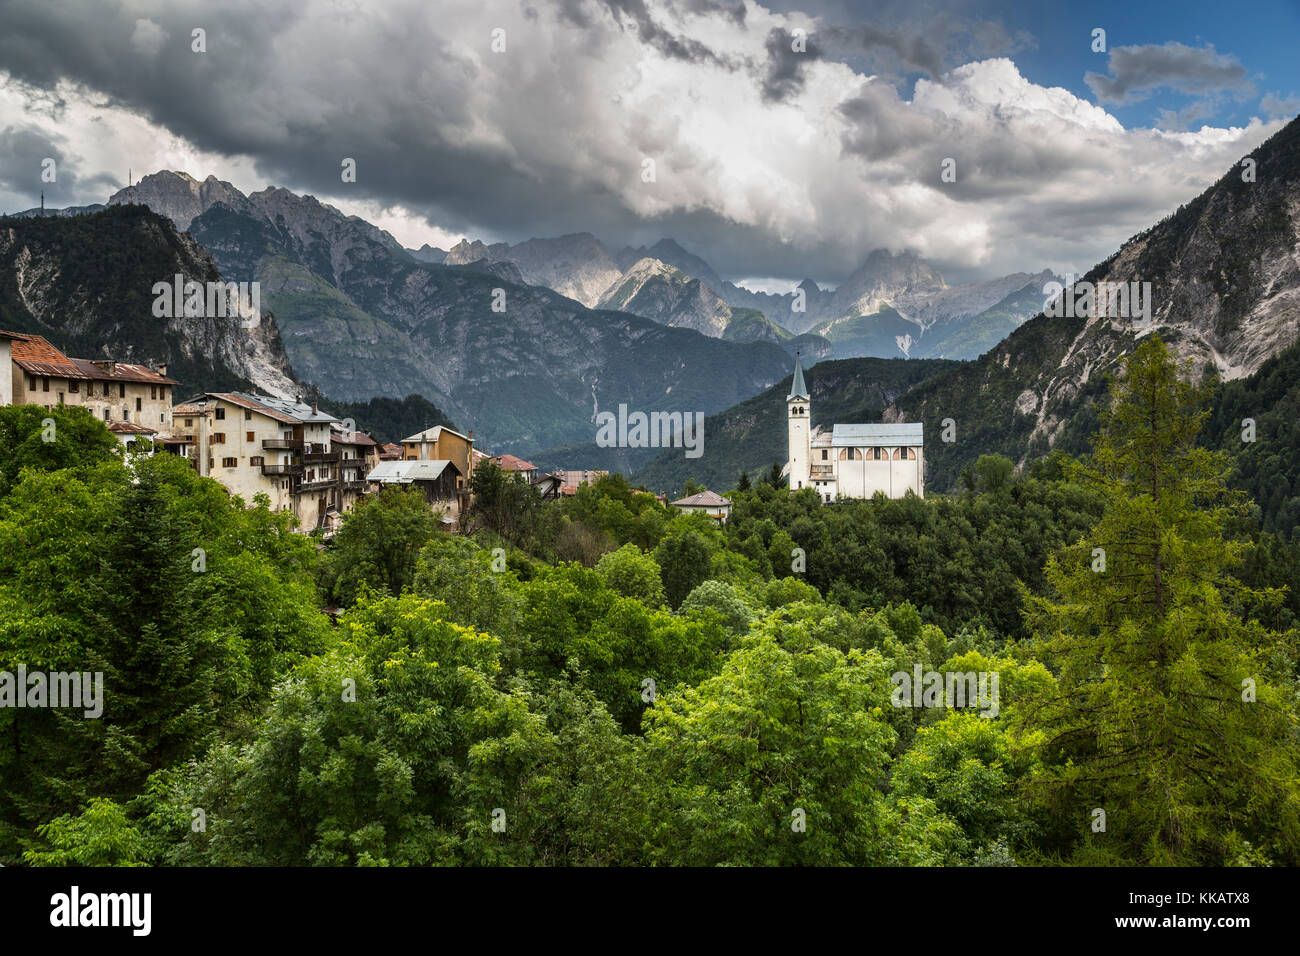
(304, 459)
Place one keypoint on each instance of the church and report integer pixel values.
(851, 461)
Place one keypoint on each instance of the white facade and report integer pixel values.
(851, 461)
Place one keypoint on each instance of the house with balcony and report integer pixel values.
(358, 456)
(262, 444)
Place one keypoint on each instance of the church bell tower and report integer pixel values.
(797, 419)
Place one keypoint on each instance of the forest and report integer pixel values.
(601, 680)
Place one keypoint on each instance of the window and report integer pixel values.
(137, 404)
(229, 462)
(45, 383)
(74, 387)
(221, 414)
(825, 454)
(248, 416)
(248, 436)
(153, 391)
(255, 461)
(121, 390)
(31, 383)
(850, 454)
(162, 418)
(189, 423)
(219, 438)
(106, 390)
(106, 414)
(126, 415)
(60, 398)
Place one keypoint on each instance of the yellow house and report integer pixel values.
(39, 374)
(441, 444)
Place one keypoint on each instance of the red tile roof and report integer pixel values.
(36, 355)
(255, 406)
(512, 463)
(130, 428)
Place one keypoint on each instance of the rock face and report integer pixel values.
(578, 265)
(1224, 274)
(178, 196)
(51, 283)
(428, 253)
(885, 280)
(658, 291)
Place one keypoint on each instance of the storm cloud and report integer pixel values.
(766, 165)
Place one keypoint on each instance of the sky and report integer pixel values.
(778, 140)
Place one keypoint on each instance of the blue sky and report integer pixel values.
(1262, 36)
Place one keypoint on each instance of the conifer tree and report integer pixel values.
(1174, 714)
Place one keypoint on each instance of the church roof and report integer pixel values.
(797, 388)
(900, 434)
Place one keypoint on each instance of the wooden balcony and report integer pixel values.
(292, 469)
(281, 444)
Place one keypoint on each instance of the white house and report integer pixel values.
(851, 461)
(708, 502)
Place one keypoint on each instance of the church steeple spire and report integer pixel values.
(797, 388)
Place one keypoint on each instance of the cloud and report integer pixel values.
(1277, 106)
(765, 166)
(1138, 71)
(148, 38)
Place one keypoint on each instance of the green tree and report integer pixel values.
(101, 835)
(774, 761)
(504, 501)
(632, 573)
(50, 440)
(1174, 715)
(685, 560)
(378, 544)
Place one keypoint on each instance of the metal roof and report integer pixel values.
(705, 499)
(298, 411)
(857, 436)
(405, 472)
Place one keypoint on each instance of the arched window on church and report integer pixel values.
(849, 454)
(880, 454)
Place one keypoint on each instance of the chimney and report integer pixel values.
(162, 368)
(314, 409)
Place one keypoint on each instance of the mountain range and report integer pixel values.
(525, 366)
